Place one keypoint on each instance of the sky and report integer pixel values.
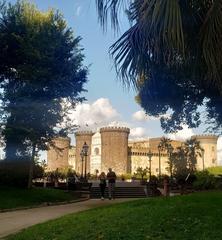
(108, 103)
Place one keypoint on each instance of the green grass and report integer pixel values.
(196, 217)
(215, 170)
(14, 198)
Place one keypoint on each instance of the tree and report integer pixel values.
(41, 76)
(193, 150)
(165, 144)
(142, 172)
(174, 64)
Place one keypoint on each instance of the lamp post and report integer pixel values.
(150, 157)
(159, 149)
(170, 150)
(202, 155)
(85, 149)
(82, 159)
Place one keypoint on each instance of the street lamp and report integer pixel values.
(82, 159)
(170, 150)
(159, 149)
(202, 155)
(85, 149)
(149, 156)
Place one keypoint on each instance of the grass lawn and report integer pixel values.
(196, 217)
(13, 197)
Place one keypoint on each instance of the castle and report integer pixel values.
(110, 147)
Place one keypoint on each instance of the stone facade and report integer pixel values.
(58, 153)
(81, 138)
(114, 145)
(110, 148)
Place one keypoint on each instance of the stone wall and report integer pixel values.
(209, 144)
(81, 138)
(58, 153)
(114, 146)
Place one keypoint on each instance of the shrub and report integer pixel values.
(204, 181)
(14, 173)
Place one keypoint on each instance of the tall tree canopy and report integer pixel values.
(172, 55)
(41, 67)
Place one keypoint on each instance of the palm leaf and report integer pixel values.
(211, 40)
(112, 9)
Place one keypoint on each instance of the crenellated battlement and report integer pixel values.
(79, 133)
(115, 129)
(205, 137)
(61, 139)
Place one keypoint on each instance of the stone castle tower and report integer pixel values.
(58, 153)
(209, 144)
(81, 138)
(114, 146)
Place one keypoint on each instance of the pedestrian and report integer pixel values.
(111, 176)
(102, 185)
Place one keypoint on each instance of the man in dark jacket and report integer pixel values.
(111, 176)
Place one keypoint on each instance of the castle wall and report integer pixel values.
(81, 138)
(209, 144)
(57, 155)
(114, 146)
(95, 158)
(139, 158)
(72, 157)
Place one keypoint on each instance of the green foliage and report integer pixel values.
(174, 64)
(141, 172)
(16, 173)
(16, 197)
(41, 75)
(215, 170)
(204, 181)
(182, 217)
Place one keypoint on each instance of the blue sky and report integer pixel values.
(107, 101)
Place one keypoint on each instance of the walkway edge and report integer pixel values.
(46, 204)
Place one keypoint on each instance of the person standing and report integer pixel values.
(102, 184)
(111, 176)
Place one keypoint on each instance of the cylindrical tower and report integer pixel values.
(209, 155)
(58, 153)
(114, 145)
(81, 138)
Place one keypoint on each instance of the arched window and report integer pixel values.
(96, 151)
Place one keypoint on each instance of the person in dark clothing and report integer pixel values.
(102, 184)
(111, 176)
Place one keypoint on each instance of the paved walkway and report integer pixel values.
(12, 222)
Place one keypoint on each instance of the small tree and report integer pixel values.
(142, 172)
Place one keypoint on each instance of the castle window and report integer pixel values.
(213, 160)
(212, 149)
(96, 151)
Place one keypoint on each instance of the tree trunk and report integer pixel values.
(31, 167)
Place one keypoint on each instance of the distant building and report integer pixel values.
(110, 147)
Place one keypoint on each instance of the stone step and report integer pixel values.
(120, 192)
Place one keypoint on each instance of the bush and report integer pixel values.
(204, 181)
(14, 173)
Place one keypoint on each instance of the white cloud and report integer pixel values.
(78, 10)
(96, 114)
(183, 134)
(141, 116)
(138, 133)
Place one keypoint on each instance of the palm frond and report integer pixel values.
(112, 9)
(211, 39)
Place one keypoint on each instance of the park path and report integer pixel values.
(12, 222)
